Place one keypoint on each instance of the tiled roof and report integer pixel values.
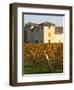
(47, 24)
(58, 30)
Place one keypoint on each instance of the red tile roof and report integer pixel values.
(58, 30)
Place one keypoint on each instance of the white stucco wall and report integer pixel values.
(54, 38)
(48, 30)
(58, 38)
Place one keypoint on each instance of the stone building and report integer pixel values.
(45, 32)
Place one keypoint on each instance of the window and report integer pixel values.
(49, 34)
(36, 41)
(48, 41)
(49, 27)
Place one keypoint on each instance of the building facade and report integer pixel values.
(43, 33)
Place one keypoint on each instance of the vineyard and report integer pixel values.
(43, 58)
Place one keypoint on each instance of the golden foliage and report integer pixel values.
(38, 50)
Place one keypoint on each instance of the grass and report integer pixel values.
(35, 62)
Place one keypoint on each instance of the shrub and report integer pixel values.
(35, 58)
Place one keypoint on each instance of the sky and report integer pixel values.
(57, 20)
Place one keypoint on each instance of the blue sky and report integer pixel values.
(57, 20)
